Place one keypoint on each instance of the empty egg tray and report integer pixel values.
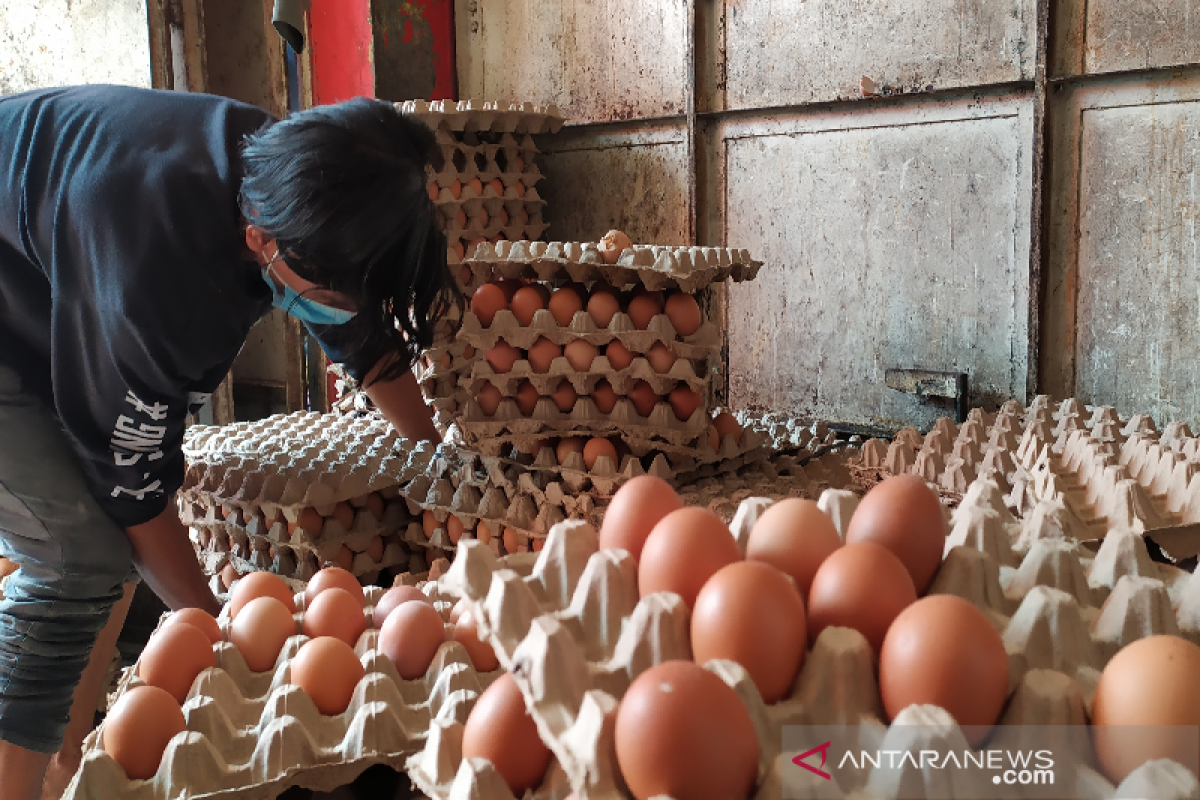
(496, 115)
(573, 623)
(655, 267)
(252, 735)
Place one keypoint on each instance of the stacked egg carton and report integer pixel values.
(486, 187)
(456, 370)
(293, 493)
(574, 632)
(253, 735)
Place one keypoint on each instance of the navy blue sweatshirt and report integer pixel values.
(126, 288)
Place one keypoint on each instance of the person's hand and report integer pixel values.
(167, 562)
(401, 403)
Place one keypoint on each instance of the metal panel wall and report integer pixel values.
(897, 237)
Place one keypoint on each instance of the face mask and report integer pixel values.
(301, 307)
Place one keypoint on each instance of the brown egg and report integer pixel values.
(643, 308)
(474, 188)
(489, 398)
(604, 396)
(482, 532)
(337, 613)
(525, 303)
(522, 216)
(429, 523)
(527, 397)
(794, 536)
(580, 354)
(860, 586)
(537, 545)
(173, 658)
(460, 217)
(684, 549)
(643, 398)
(752, 613)
(497, 186)
(309, 521)
(519, 188)
(260, 584)
(482, 218)
(502, 356)
(727, 425)
(375, 549)
(618, 355)
(542, 354)
(454, 528)
(207, 624)
(500, 730)
(944, 651)
(394, 597)
(1148, 686)
(510, 540)
(564, 397)
(684, 401)
(487, 300)
(456, 189)
(503, 217)
(714, 438)
(483, 657)
(433, 190)
(332, 577)
(473, 244)
(597, 447)
(565, 303)
(904, 515)
(410, 637)
(633, 512)
(260, 630)
(458, 252)
(468, 352)
(517, 164)
(682, 732)
(459, 609)
(229, 574)
(684, 313)
(603, 306)
(661, 358)
(612, 245)
(328, 670)
(138, 729)
(568, 445)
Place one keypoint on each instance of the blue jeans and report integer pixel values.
(73, 560)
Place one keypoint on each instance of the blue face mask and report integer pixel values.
(301, 307)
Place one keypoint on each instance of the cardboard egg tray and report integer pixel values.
(496, 115)
(574, 633)
(252, 735)
(655, 267)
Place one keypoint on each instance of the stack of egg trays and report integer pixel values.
(457, 369)
(1099, 471)
(572, 620)
(251, 735)
(241, 475)
(486, 142)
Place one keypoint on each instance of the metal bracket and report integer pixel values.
(926, 383)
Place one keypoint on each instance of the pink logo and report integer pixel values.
(823, 749)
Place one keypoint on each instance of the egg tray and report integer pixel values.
(298, 461)
(574, 633)
(493, 230)
(1106, 472)
(702, 344)
(252, 735)
(653, 266)
(497, 116)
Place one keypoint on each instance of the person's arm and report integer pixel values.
(165, 558)
(401, 403)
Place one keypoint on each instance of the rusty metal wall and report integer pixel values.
(1125, 287)
(896, 237)
(60, 42)
(779, 54)
(599, 60)
(632, 178)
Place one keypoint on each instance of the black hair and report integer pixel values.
(342, 189)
